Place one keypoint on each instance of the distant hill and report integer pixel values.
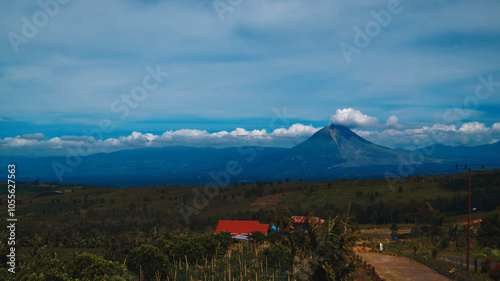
(481, 155)
(334, 152)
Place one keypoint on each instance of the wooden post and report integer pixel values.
(468, 224)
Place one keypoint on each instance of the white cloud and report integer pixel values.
(496, 128)
(473, 128)
(353, 118)
(393, 123)
(296, 130)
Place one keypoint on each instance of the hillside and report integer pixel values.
(249, 201)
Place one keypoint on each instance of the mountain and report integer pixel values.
(137, 167)
(334, 152)
(479, 155)
(339, 146)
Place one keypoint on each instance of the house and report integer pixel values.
(300, 221)
(241, 229)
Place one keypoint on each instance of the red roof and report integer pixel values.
(302, 219)
(241, 227)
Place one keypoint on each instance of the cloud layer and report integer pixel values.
(471, 133)
(38, 145)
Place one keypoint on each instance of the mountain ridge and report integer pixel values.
(334, 152)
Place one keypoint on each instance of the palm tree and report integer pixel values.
(330, 251)
(477, 254)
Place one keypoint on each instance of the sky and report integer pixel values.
(101, 76)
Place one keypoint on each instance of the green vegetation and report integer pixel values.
(58, 225)
(325, 253)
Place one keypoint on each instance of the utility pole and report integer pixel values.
(468, 212)
(468, 221)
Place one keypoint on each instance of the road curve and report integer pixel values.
(398, 268)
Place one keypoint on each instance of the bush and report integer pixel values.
(148, 258)
(278, 256)
(83, 267)
(90, 267)
(444, 243)
(195, 247)
(488, 234)
(49, 269)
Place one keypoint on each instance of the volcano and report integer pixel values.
(336, 145)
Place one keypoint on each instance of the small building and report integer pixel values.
(300, 221)
(241, 229)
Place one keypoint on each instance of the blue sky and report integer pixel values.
(219, 66)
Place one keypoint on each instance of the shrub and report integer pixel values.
(444, 243)
(83, 267)
(488, 234)
(49, 269)
(90, 267)
(148, 258)
(278, 256)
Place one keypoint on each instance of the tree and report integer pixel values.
(488, 234)
(433, 220)
(330, 248)
(257, 237)
(476, 255)
(148, 259)
(91, 267)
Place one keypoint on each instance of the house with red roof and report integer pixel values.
(300, 221)
(241, 229)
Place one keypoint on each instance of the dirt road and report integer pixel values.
(397, 268)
